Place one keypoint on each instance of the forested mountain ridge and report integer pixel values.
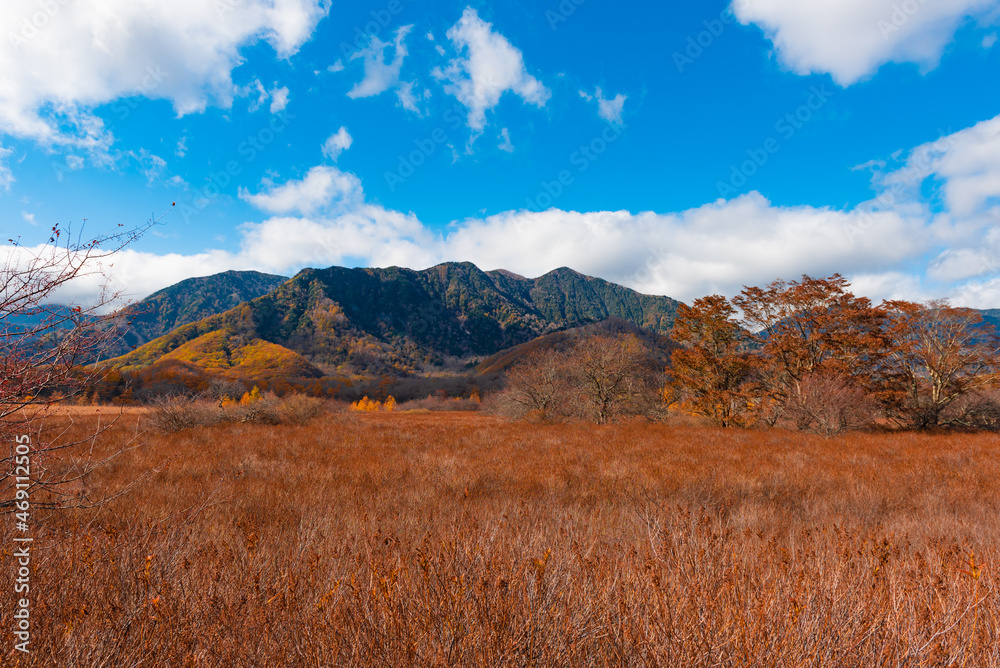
(400, 321)
(189, 301)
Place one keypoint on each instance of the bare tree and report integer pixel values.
(598, 378)
(43, 350)
(610, 375)
(939, 354)
(539, 383)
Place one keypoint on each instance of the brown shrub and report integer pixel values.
(435, 403)
(829, 404)
(185, 412)
(978, 410)
(297, 409)
(181, 412)
(453, 539)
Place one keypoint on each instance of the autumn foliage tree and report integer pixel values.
(810, 329)
(826, 360)
(713, 372)
(939, 354)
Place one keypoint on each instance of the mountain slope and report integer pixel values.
(189, 301)
(398, 321)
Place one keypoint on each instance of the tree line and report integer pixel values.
(806, 354)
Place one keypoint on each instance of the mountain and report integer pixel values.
(991, 317)
(189, 301)
(400, 321)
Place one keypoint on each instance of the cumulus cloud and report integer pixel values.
(337, 143)
(851, 39)
(255, 92)
(321, 187)
(380, 75)
(487, 66)
(59, 64)
(718, 247)
(961, 171)
(966, 164)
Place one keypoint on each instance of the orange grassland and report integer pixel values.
(447, 539)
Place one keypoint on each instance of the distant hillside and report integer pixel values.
(189, 301)
(399, 321)
(660, 346)
(991, 317)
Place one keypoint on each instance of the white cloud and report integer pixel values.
(487, 66)
(149, 165)
(182, 147)
(253, 91)
(609, 110)
(714, 248)
(28, 218)
(86, 53)
(279, 99)
(381, 237)
(6, 176)
(407, 98)
(967, 163)
(336, 67)
(381, 76)
(989, 41)
(337, 143)
(962, 171)
(321, 187)
(505, 144)
(257, 95)
(851, 39)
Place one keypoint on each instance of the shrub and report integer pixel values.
(442, 404)
(979, 411)
(184, 412)
(298, 409)
(829, 404)
(181, 412)
(599, 378)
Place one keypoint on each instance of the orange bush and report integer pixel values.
(366, 405)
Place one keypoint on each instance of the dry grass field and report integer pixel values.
(451, 539)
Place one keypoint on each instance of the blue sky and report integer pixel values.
(678, 148)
